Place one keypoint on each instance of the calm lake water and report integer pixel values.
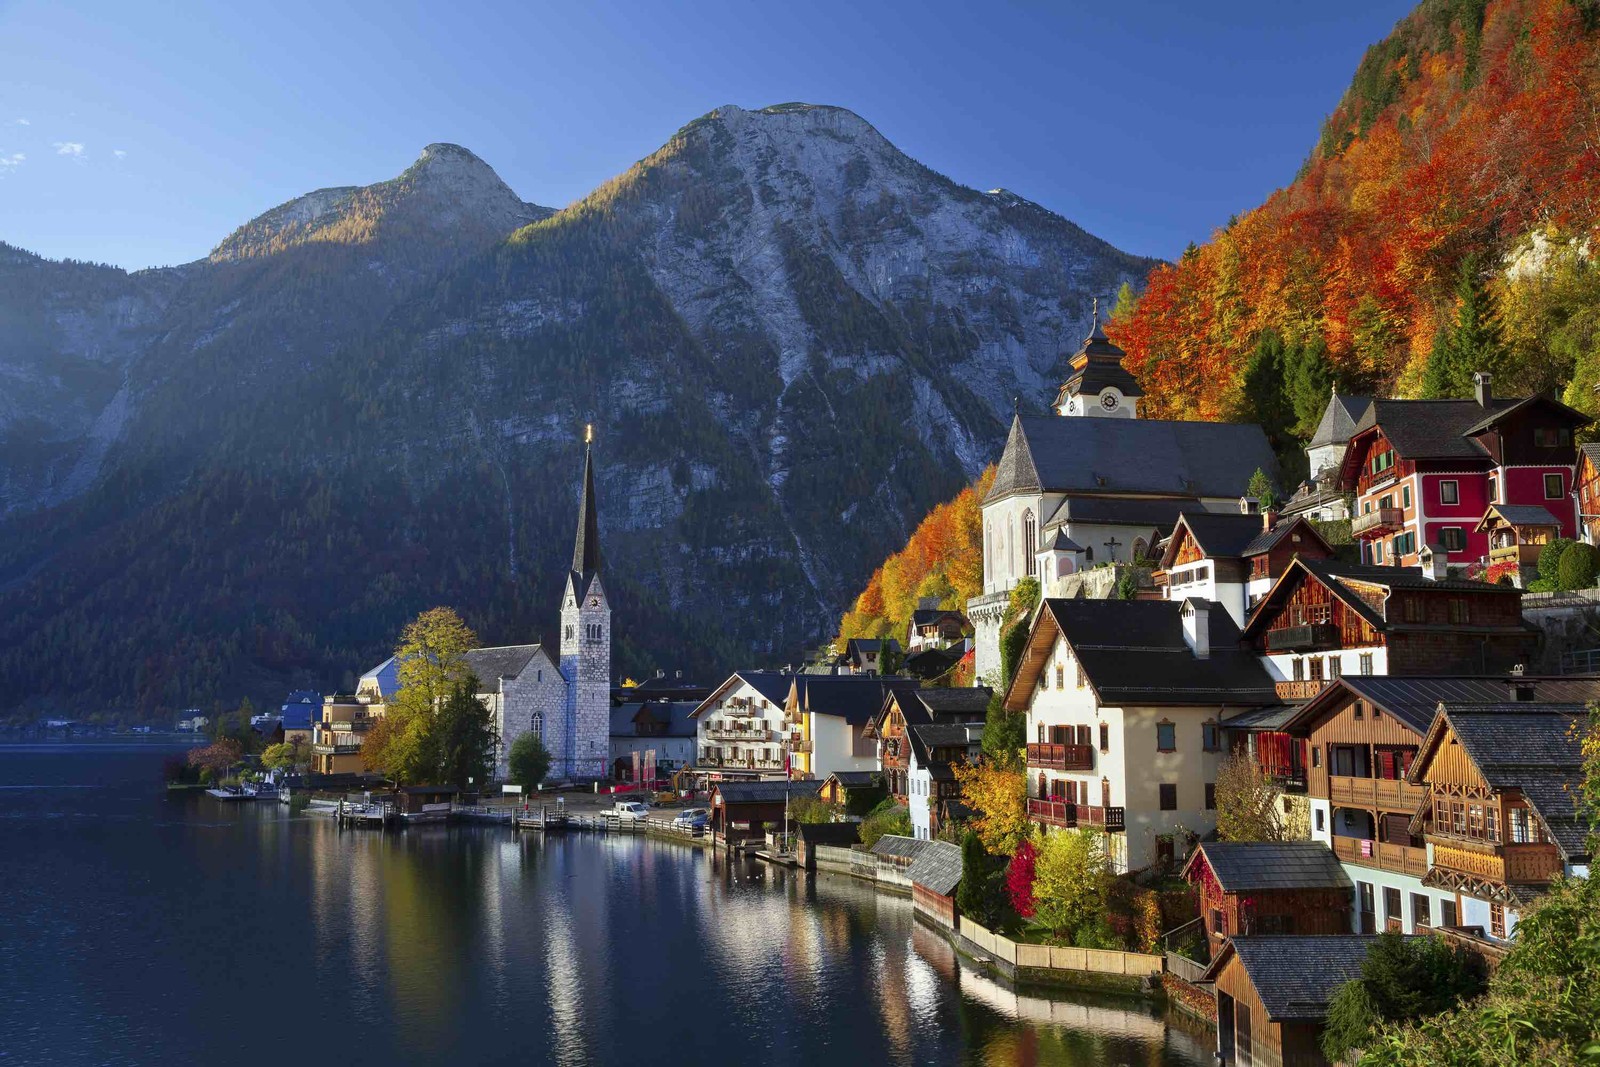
(137, 929)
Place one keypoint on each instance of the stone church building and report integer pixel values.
(1094, 484)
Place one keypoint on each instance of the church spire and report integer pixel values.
(586, 553)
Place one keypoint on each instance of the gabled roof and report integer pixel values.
(625, 718)
(1257, 866)
(1133, 653)
(1517, 515)
(765, 792)
(1289, 525)
(1055, 454)
(856, 779)
(1340, 419)
(507, 661)
(1155, 513)
(386, 676)
(961, 700)
(1295, 977)
(1338, 578)
(1413, 700)
(1500, 414)
(1096, 365)
(772, 685)
(1534, 747)
(856, 698)
(1429, 429)
(1591, 449)
(927, 736)
(937, 868)
(930, 616)
(895, 845)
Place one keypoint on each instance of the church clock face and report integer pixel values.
(1109, 400)
(594, 602)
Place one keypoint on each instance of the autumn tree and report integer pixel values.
(997, 797)
(430, 662)
(287, 755)
(218, 757)
(1020, 873)
(1247, 802)
(1071, 881)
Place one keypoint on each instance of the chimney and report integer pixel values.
(1432, 558)
(1522, 689)
(1269, 519)
(1196, 614)
(1480, 385)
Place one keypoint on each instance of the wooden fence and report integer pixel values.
(1059, 957)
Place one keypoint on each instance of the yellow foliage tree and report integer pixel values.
(998, 797)
(1071, 879)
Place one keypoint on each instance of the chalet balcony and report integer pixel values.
(1382, 855)
(1290, 781)
(336, 750)
(1377, 522)
(1301, 689)
(1053, 812)
(1505, 864)
(738, 732)
(1387, 793)
(799, 744)
(1111, 820)
(1312, 637)
(1060, 757)
(1521, 555)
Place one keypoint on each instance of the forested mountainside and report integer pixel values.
(1443, 223)
(792, 340)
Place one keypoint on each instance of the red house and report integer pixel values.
(1425, 471)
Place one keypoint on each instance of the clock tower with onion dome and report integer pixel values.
(1098, 385)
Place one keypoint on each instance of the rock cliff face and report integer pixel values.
(792, 339)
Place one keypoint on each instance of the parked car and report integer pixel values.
(630, 809)
(691, 818)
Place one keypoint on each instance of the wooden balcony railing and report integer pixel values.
(1521, 555)
(1111, 820)
(1312, 637)
(1506, 864)
(1053, 812)
(1301, 690)
(1388, 793)
(1377, 522)
(1383, 855)
(741, 732)
(1061, 757)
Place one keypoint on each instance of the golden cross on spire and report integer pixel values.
(588, 433)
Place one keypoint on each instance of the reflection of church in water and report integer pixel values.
(1095, 484)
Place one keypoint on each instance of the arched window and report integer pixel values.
(1030, 543)
(1141, 548)
(989, 552)
(1088, 553)
(1011, 547)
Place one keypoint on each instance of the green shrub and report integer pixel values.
(1550, 559)
(1577, 566)
(299, 803)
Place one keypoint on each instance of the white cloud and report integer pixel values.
(69, 148)
(119, 153)
(22, 122)
(11, 163)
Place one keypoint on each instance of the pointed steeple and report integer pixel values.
(586, 553)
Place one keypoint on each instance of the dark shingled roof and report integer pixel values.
(856, 779)
(856, 698)
(1222, 535)
(1523, 515)
(937, 867)
(1257, 866)
(1337, 576)
(927, 736)
(1432, 429)
(965, 700)
(843, 834)
(772, 685)
(493, 664)
(1133, 653)
(1534, 747)
(1269, 719)
(1097, 364)
(1340, 419)
(1296, 976)
(1088, 455)
(766, 792)
(1117, 511)
(1413, 700)
(904, 847)
(675, 713)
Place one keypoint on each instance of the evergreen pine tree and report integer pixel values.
(1468, 342)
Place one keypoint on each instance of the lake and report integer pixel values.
(141, 929)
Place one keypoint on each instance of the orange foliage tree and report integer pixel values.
(943, 558)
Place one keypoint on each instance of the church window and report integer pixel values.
(1030, 542)
(569, 632)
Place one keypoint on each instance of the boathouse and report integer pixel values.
(1273, 994)
(1263, 887)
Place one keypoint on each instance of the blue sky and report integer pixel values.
(141, 133)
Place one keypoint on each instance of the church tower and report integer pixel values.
(586, 644)
(1098, 385)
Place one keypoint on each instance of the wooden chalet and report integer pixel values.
(1586, 483)
(1502, 817)
(1232, 558)
(1261, 887)
(1273, 995)
(902, 707)
(1323, 619)
(741, 810)
(856, 792)
(1517, 533)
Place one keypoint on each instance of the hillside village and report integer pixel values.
(1268, 726)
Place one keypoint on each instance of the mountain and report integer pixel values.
(792, 340)
(1442, 224)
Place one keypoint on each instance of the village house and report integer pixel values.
(742, 811)
(337, 736)
(1261, 887)
(934, 627)
(903, 707)
(1273, 994)
(1586, 480)
(1501, 814)
(827, 716)
(1095, 484)
(1233, 559)
(1425, 472)
(855, 792)
(298, 714)
(741, 733)
(936, 747)
(660, 733)
(1324, 619)
(1125, 703)
(869, 655)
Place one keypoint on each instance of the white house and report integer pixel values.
(830, 718)
(930, 778)
(1125, 701)
(740, 729)
(1233, 559)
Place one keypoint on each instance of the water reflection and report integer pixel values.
(190, 922)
